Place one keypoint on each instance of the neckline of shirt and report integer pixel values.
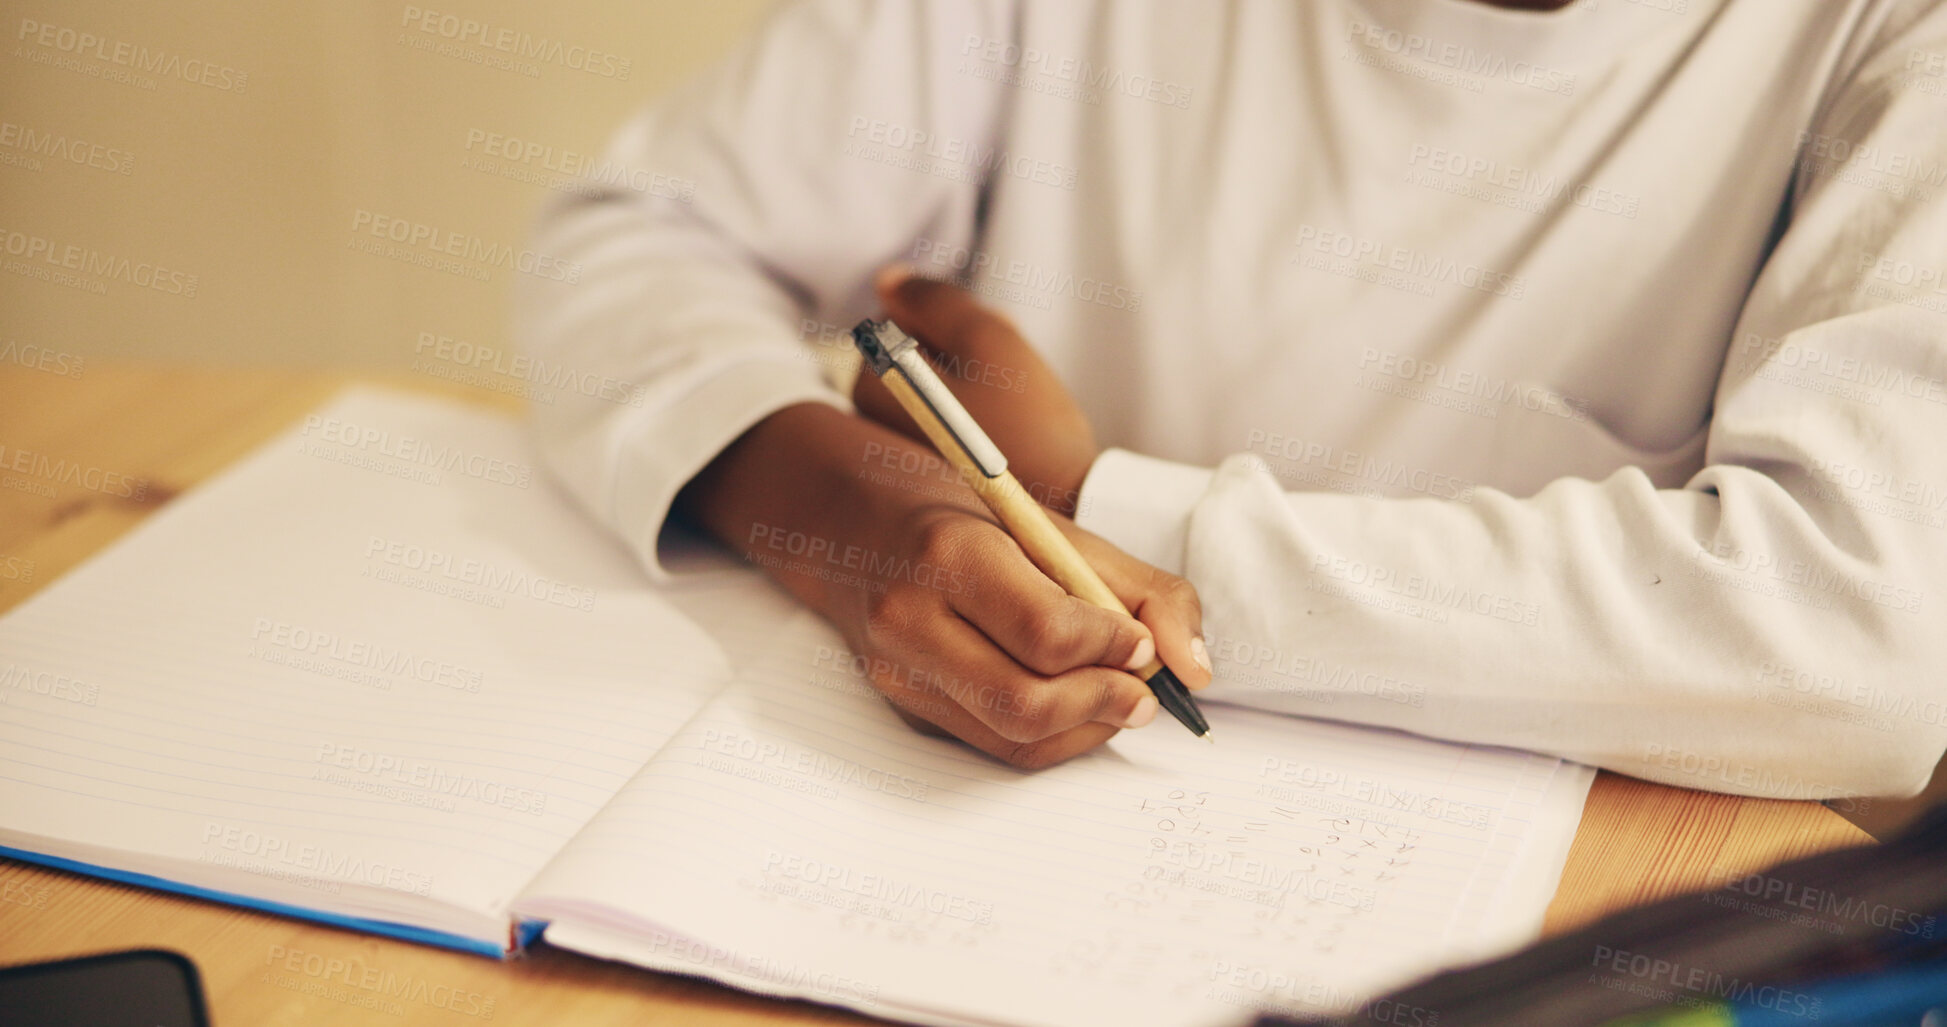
(1580, 33)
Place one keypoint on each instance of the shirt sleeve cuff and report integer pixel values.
(1142, 505)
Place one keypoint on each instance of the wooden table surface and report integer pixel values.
(175, 426)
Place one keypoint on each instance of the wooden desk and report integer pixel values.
(177, 426)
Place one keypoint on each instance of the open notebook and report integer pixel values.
(380, 673)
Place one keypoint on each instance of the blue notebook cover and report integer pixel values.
(520, 933)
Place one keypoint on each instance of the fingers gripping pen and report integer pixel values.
(895, 358)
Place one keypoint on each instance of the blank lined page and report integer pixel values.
(381, 663)
(797, 838)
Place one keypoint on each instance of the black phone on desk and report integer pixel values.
(137, 988)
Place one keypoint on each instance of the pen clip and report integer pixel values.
(886, 347)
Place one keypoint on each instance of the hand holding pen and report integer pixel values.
(938, 606)
(897, 361)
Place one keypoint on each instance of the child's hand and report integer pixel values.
(956, 626)
(983, 646)
(997, 376)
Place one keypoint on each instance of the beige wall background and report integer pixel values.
(184, 181)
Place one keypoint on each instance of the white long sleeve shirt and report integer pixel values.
(1574, 381)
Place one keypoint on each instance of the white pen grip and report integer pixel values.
(907, 361)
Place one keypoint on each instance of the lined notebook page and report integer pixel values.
(796, 838)
(379, 665)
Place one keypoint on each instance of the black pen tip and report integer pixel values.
(1176, 700)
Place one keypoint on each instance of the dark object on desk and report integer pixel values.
(137, 988)
(1765, 937)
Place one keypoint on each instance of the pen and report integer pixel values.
(894, 356)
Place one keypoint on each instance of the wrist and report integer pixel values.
(811, 492)
(744, 485)
(1061, 490)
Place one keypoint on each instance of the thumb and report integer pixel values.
(949, 322)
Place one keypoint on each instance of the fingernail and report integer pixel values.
(1144, 712)
(1145, 652)
(1200, 653)
(892, 276)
